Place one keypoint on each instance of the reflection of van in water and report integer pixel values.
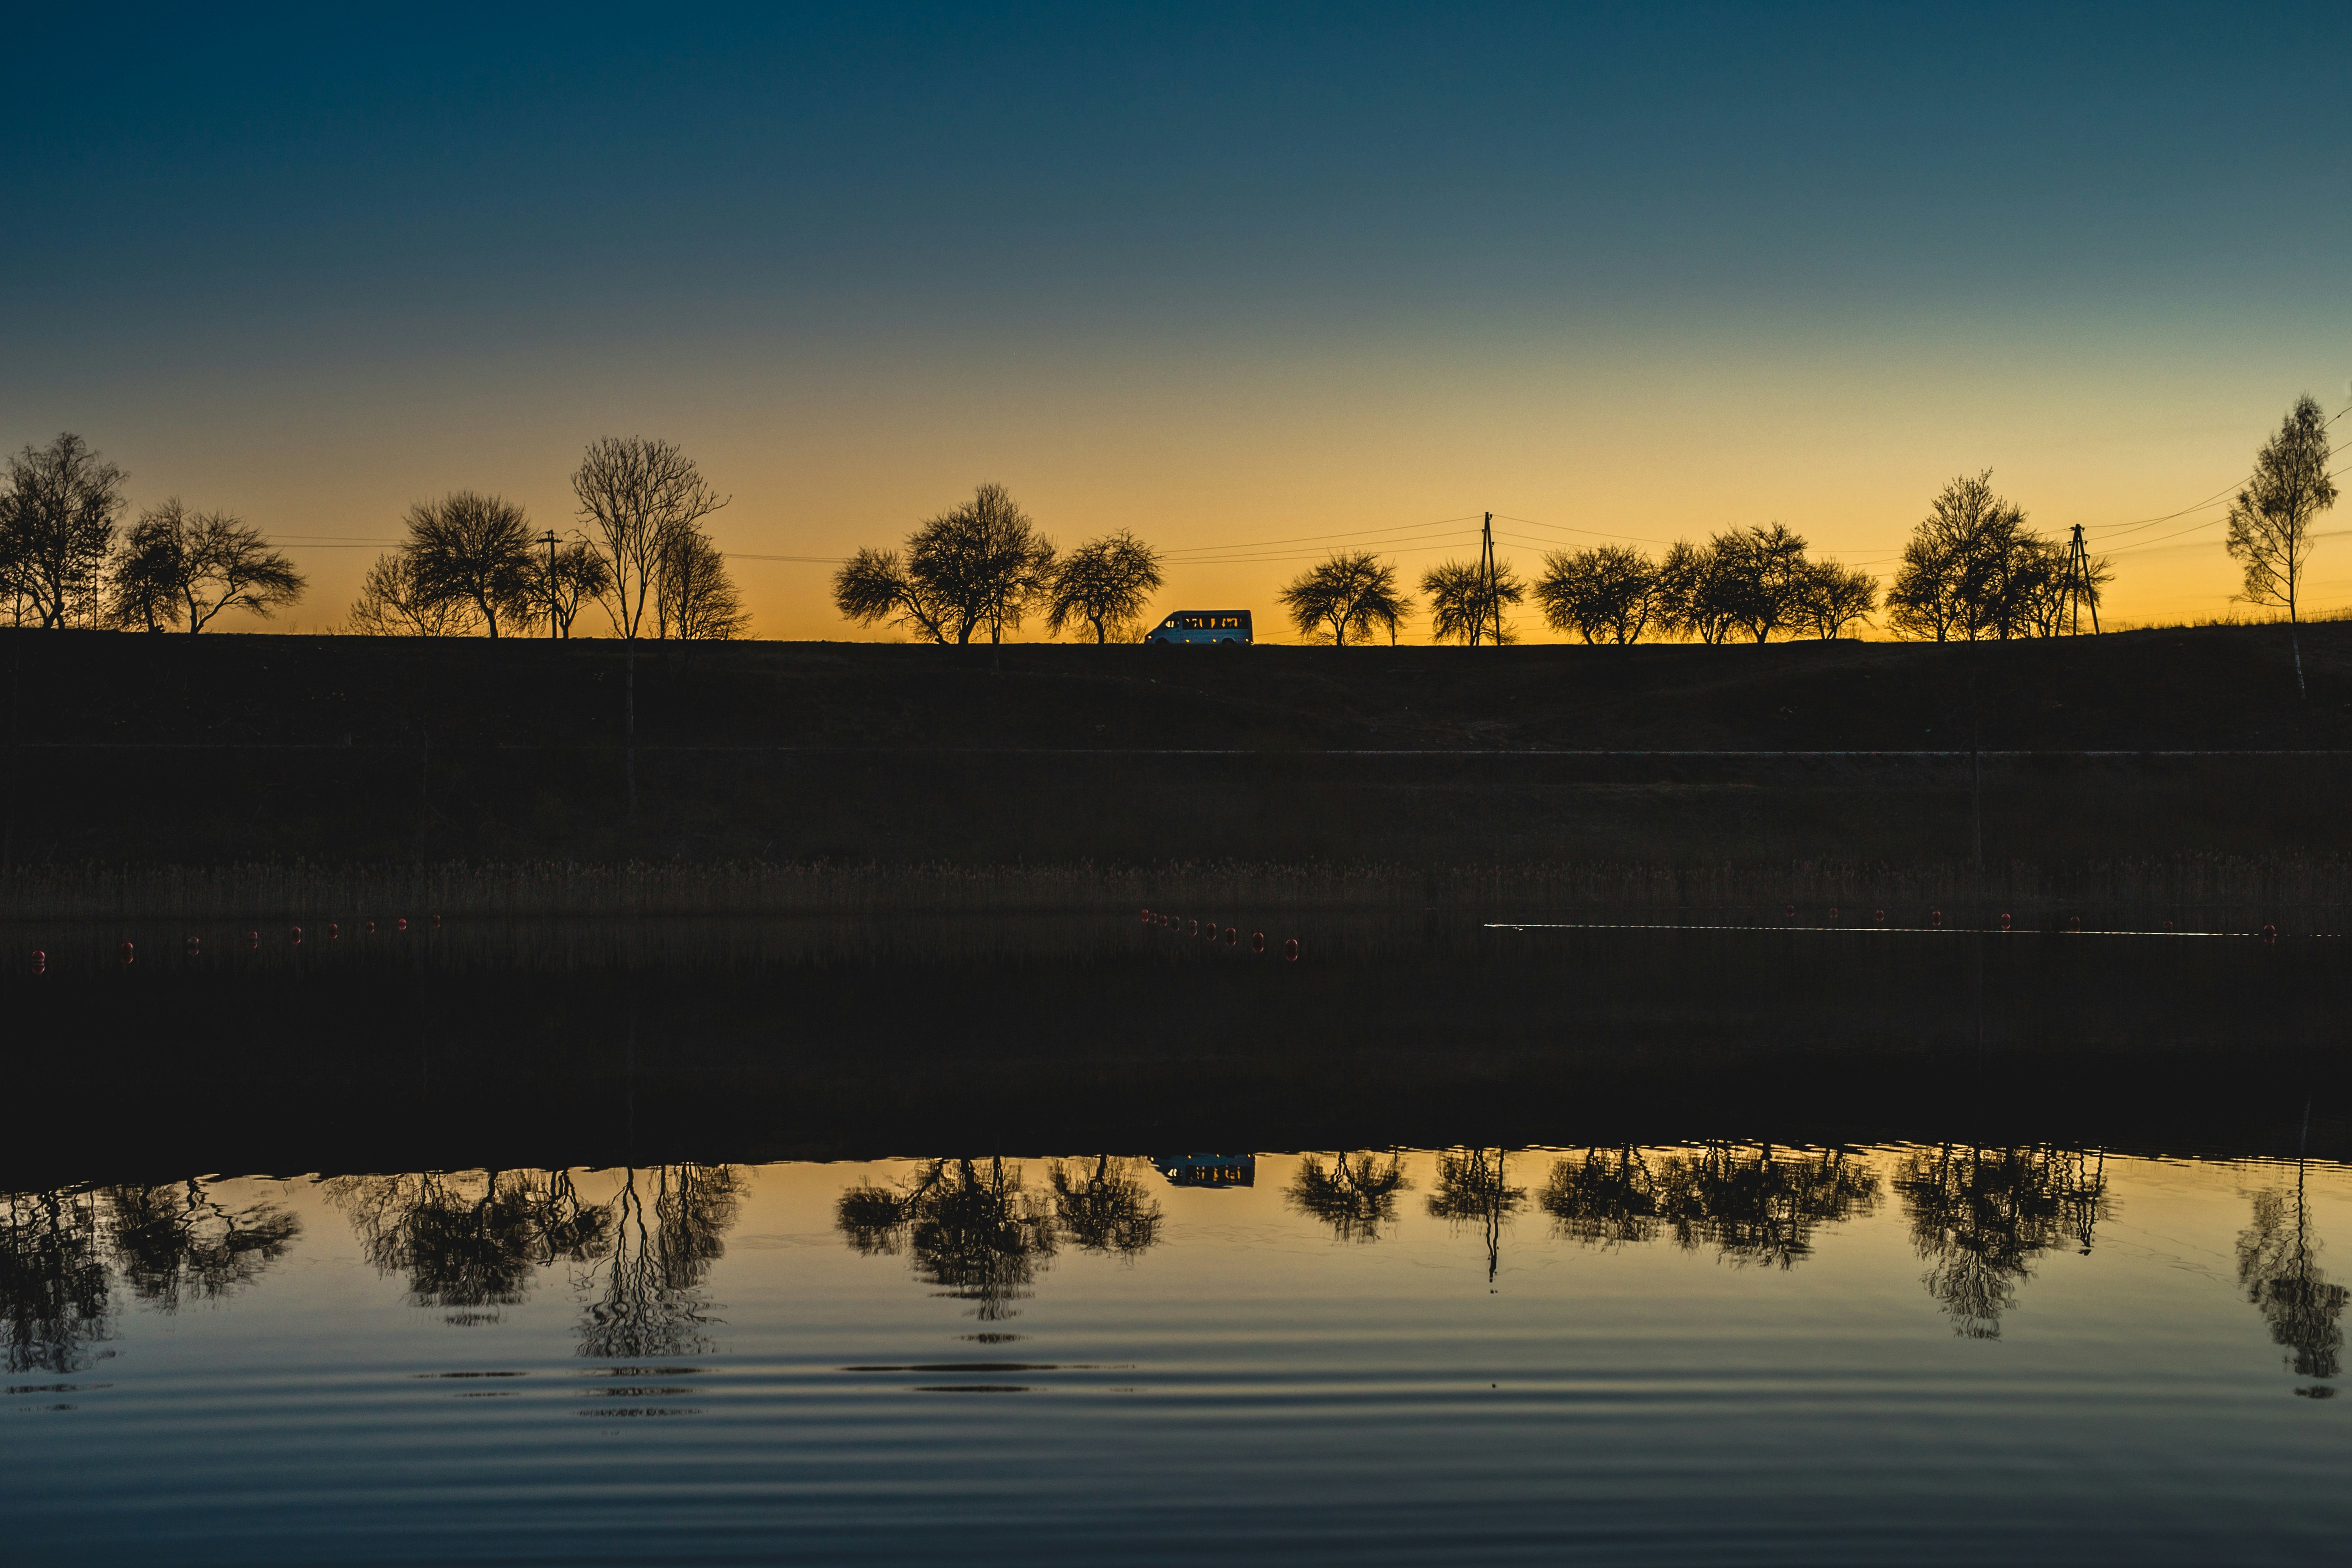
(1207, 1170)
(1229, 627)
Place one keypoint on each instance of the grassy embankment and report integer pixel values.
(281, 773)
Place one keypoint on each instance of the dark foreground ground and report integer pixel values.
(224, 748)
(420, 1051)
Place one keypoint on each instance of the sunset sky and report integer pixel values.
(1239, 279)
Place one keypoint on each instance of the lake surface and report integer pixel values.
(1057, 1241)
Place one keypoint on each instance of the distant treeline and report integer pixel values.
(470, 562)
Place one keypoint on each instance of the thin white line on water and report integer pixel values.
(1857, 929)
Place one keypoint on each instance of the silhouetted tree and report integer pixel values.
(1103, 584)
(56, 528)
(54, 1285)
(390, 604)
(1606, 1199)
(1106, 1209)
(1472, 1188)
(2278, 1264)
(562, 581)
(1697, 595)
(176, 1243)
(635, 495)
(1350, 593)
(1979, 1217)
(1832, 598)
(1355, 1197)
(982, 567)
(1973, 569)
(179, 566)
(473, 549)
(695, 599)
(1608, 593)
(1761, 575)
(2269, 523)
(1462, 603)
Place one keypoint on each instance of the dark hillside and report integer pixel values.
(270, 747)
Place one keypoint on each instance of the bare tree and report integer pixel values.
(1972, 569)
(1608, 593)
(1103, 584)
(1762, 576)
(57, 527)
(981, 567)
(390, 604)
(563, 579)
(1463, 605)
(1831, 597)
(634, 494)
(874, 587)
(475, 549)
(180, 565)
(1349, 593)
(1697, 596)
(695, 599)
(2269, 523)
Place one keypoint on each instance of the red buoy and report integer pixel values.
(399, 924)
(1934, 917)
(2074, 922)
(1290, 950)
(1147, 917)
(1879, 916)
(1195, 930)
(1231, 936)
(298, 936)
(253, 938)
(370, 928)
(436, 922)
(2004, 923)
(2168, 925)
(1833, 914)
(196, 947)
(2269, 933)
(1257, 942)
(333, 931)
(126, 952)
(1787, 911)
(40, 961)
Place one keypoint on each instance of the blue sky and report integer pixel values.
(863, 257)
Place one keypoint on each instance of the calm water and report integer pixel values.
(1953, 1252)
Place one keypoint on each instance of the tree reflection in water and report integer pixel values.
(2278, 1263)
(470, 1243)
(176, 1243)
(1753, 1204)
(1355, 1197)
(668, 1226)
(1606, 1200)
(53, 1283)
(1471, 1186)
(1106, 1208)
(973, 1227)
(1979, 1217)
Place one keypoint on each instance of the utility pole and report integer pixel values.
(2078, 589)
(548, 538)
(1492, 581)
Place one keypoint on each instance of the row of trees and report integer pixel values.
(1972, 570)
(64, 562)
(1744, 582)
(984, 567)
(472, 564)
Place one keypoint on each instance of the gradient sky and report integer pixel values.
(1228, 277)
